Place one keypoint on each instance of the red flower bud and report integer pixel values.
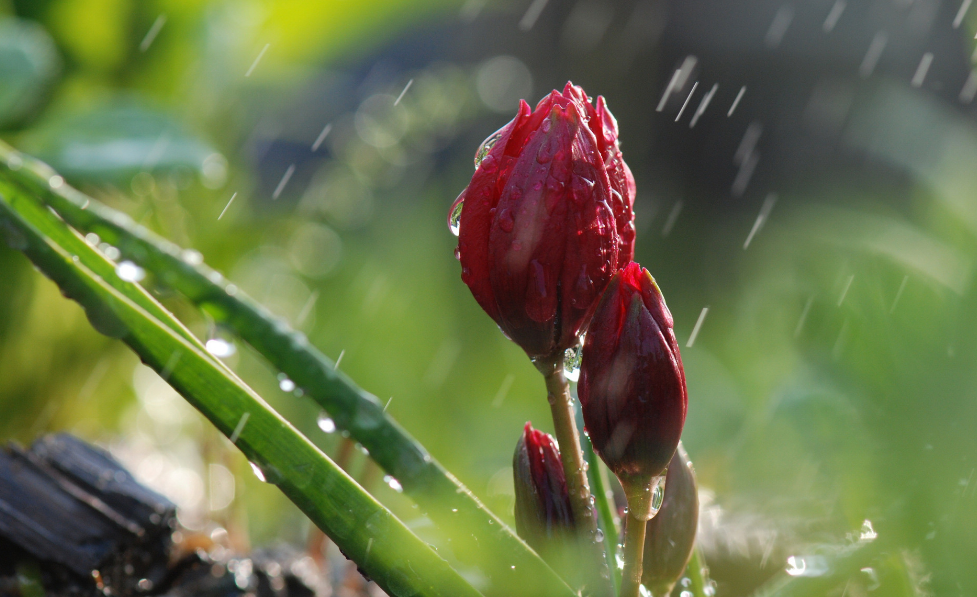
(670, 535)
(542, 502)
(546, 220)
(632, 385)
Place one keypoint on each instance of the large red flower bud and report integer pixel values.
(670, 535)
(632, 385)
(542, 509)
(546, 220)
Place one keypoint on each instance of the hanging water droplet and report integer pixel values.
(220, 348)
(393, 483)
(129, 271)
(325, 423)
(571, 362)
(284, 383)
(658, 493)
(686, 594)
(258, 473)
(191, 257)
(599, 535)
(454, 214)
(486, 146)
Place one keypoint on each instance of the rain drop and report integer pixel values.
(571, 362)
(325, 423)
(454, 214)
(191, 257)
(220, 348)
(130, 272)
(393, 483)
(685, 594)
(486, 146)
(284, 383)
(599, 535)
(658, 489)
(258, 473)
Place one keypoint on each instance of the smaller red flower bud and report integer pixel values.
(670, 535)
(632, 385)
(542, 510)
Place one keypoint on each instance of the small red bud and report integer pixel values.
(632, 385)
(670, 535)
(546, 220)
(542, 510)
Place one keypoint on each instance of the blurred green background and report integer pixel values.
(828, 223)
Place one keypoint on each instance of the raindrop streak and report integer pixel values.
(875, 50)
(902, 287)
(678, 80)
(698, 324)
(307, 308)
(736, 101)
(226, 206)
(339, 359)
(761, 219)
(969, 89)
(257, 60)
(152, 33)
(220, 348)
(778, 27)
(326, 423)
(922, 69)
(393, 483)
(529, 19)
(503, 390)
(571, 362)
(672, 216)
(835, 14)
(964, 7)
(284, 181)
(387, 405)
(401, 96)
(691, 93)
(240, 427)
(703, 105)
(322, 137)
(803, 318)
(844, 292)
(129, 272)
(257, 472)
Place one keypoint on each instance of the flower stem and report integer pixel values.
(561, 406)
(634, 551)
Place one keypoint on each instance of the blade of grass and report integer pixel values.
(476, 534)
(367, 532)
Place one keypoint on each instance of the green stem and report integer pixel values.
(634, 551)
(476, 534)
(697, 572)
(604, 500)
(574, 469)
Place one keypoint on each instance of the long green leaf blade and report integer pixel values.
(477, 535)
(367, 532)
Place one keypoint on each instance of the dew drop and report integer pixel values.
(284, 383)
(92, 239)
(506, 221)
(454, 214)
(599, 535)
(686, 594)
(658, 493)
(191, 257)
(325, 423)
(110, 252)
(486, 146)
(686, 582)
(393, 483)
(129, 271)
(258, 473)
(220, 348)
(571, 362)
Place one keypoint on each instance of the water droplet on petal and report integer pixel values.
(325, 423)
(486, 146)
(506, 221)
(129, 271)
(454, 214)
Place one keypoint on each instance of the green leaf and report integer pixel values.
(363, 529)
(118, 139)
(29, 64)
(476, 534)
